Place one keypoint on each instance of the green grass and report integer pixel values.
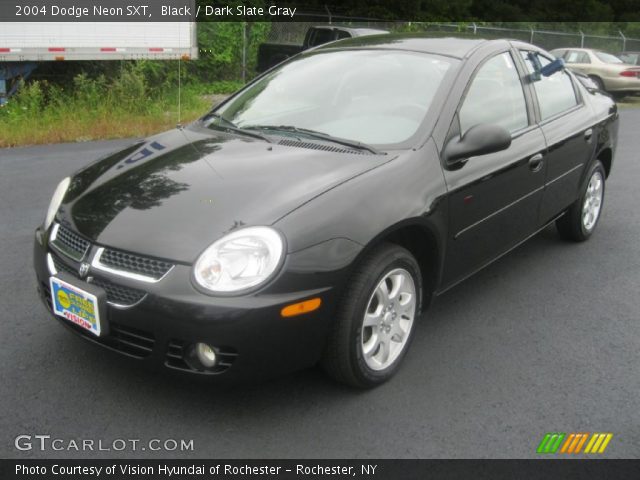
(96, 109)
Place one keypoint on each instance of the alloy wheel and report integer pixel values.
(388, 319)
(592, 201)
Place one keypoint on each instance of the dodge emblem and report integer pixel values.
(84, 269)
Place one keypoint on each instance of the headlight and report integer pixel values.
(243, 259)
(56, 200)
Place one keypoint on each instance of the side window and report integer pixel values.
(495, 96)
(577, 57)
(321, 36)
(556, 92)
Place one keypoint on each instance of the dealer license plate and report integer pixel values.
(76, 305)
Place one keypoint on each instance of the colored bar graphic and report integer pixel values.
(581, 443)
(551, 442)
(543, 443)
(598, 443)
(573, 442)
(604, 445)
(591, 442)
(565, 447)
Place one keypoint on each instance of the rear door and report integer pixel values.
(565, 121)
(578, 60)
(494, 199)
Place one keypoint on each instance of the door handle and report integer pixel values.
(535, 162)
(588, 134)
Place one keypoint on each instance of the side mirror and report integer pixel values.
(478, 140)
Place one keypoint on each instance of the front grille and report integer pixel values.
(132, 263)
(63, 267)
(70, 243)
(322, 146)
(128, 340)
(116, 294)
(175, 358)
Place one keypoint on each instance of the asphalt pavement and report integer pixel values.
(547, 339)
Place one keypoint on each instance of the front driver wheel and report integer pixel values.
(582, 217)
(376, 318)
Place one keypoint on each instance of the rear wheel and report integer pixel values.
(582, 217)
(598, 81)
(376, 318)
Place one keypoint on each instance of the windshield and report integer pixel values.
(607, 57)
(369, 96)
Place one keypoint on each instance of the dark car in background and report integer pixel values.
(270, 54)
(607, 71)
(312, 216)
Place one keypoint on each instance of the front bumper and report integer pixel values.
(251, 337)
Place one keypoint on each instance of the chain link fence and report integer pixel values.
(294, 32)
(547, 39)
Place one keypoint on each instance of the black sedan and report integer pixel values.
(312, 216)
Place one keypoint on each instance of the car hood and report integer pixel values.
(172, 195)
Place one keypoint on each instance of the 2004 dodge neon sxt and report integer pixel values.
(312, 216)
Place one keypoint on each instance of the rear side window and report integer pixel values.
(631, 58)
(495, 96)
(555, 93)
(577, 57)
(607, 57)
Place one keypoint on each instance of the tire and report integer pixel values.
(580, 221)
(598, 81)
(370, 336)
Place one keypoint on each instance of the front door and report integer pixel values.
(494, 199)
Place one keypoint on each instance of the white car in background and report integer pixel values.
(607, 71)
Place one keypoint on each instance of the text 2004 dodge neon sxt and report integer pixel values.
(312, 216)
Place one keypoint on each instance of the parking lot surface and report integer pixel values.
(544, 340)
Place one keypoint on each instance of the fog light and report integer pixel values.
(206, 355)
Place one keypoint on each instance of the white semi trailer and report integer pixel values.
(24, 44)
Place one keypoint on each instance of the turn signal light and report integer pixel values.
(301, 307)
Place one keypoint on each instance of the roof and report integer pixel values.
(577, 49)
(354, 31)
(459, 46)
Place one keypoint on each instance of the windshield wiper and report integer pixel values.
(230, 126)
(316, 134)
